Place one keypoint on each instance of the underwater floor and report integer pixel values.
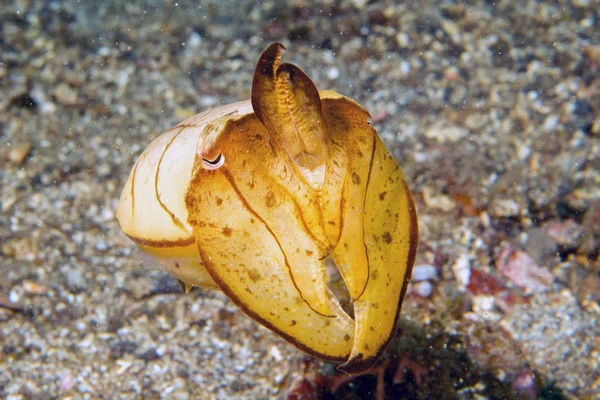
(491, 108)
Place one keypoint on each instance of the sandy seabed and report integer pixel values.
(491, 108)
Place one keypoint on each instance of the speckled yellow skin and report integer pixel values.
(305, 178)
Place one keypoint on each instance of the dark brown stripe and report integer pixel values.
(175, 220)
(305, 225)
(162, 243)
(364, 210)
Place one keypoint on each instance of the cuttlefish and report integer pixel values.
(253, 197)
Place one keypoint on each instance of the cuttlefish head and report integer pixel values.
(287, 103)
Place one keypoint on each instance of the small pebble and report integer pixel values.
(504, 208)
(32, 287)
(19, 152)
(462, 271)
(66, 95)
(74, 279)
(423, 288)
(424, 273)
(522, 270)
(445, 132)
(333, 73)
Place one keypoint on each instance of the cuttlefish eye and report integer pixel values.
(215, 163)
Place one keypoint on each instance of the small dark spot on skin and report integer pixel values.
(387, 237)
(375, 305)
(298, 300)
(359, 153)
(366, 347)
(382, 196)
(286, 309)
(346, 337)
(309, 253)
(177, 265)
(219, 201)
(331, 222)
(227, 231)
(375, 275)
(372, 329)
(355, 178)
(293, 322)
(254, 275)
(252, 220)
(270, 200)
(230, 113)
(327, 323)
(258, 136)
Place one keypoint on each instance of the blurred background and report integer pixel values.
(491, 108)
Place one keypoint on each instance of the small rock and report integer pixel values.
(565, 233)
(424, 273)
(276, 354)
(74, 279)
(595, 130)
(66, 382)
(445, 132)
(19, 152)
(504, 208)
(402, 39)
(483, 305)
(525, 385)
(359, 4)
(333, 73)
(423, 288)
(437, 201)
(65, 94)
(482, 283)
(462, 271)
(148, 355)
(520, 268)
(31, 287)
(451, 28)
